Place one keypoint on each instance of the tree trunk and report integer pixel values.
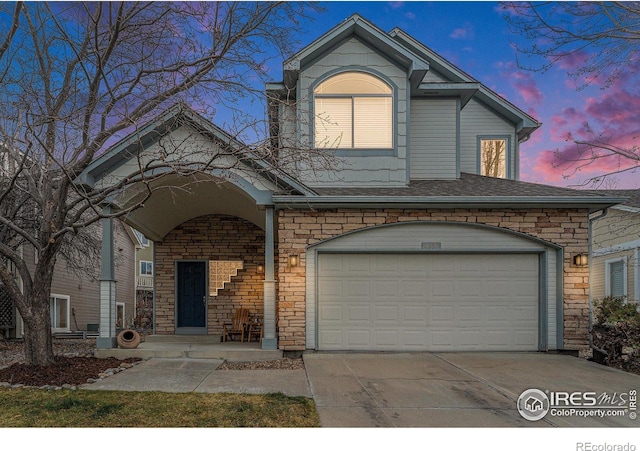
(38, 345)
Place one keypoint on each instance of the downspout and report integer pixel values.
(636, 274)
(602, 214)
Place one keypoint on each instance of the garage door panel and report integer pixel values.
(443, 302)
(331, 338)
(525, 314)
(441, 314)
(414, 313)
(359, 339)
(470, 314)
(386, 338)
(386, 313)
(330, 312)
(358, 314)
(522, 338)
(388, 288)
(412, 289)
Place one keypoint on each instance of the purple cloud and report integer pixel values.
(464, 32)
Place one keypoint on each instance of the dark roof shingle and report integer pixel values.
(468, 185)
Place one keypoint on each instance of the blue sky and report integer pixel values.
(475, 37)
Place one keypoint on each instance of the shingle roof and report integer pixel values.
(632, 194)
(469, 191)
(468, 185)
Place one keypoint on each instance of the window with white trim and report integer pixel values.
(120, 324)
(616, 277)
(146, 268)
(493, 157)
(144, 242)
(353, 110)
(60, 312)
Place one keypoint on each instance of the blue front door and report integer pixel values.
(191, 298)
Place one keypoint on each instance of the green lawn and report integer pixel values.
(65, 408)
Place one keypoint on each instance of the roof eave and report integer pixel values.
(445, 202)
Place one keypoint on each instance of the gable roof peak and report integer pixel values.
(356, 26)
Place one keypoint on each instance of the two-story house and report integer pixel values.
(615, 249)
(75, 295)
(414, 233)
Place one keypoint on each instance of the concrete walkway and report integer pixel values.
(201, 375)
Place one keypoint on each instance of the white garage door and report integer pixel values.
(443, 302)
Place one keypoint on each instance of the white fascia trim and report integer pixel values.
(628, 246)
(626, 208)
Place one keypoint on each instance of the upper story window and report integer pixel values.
(493, 157)
(146, 268)
(353, 110)
(141, 238)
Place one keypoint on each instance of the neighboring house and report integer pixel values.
(420, 236)
(615, 249)
(144, 281)
(75, 298)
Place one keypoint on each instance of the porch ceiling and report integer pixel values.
(175, 200)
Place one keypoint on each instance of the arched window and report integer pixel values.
(353, 110)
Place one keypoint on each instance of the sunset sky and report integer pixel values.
(475, 37)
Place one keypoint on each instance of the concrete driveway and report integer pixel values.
(462, 389)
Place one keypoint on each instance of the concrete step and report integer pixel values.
(231, 351)
(193, 339)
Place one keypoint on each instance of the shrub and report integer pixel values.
(614, 310)
(616, 331)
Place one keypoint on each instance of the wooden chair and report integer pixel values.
(237, 326)
(255, 331)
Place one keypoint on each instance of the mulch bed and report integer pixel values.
(279, 364)
(67, 370)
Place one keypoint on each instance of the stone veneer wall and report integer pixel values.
(213, 237)
(299, 229)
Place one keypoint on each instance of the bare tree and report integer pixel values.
(601, 39)
(76, 76)
(603, 35)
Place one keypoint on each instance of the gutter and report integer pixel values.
(602, 214)
(330, 202)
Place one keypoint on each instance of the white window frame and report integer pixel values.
(352, 98)
(121, 305)
(143, 240)
(607, 275)
(144, 262)
(67, 299)
(507, 153)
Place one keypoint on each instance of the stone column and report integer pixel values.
(107, 336)
(269, 340)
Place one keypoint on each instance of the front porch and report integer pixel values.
(192, 347)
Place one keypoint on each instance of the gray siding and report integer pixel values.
(478, 120)
(613, 237)
(83, 291)
(433, 153)
(364, 168)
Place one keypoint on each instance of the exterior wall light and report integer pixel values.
(260, 269)
(293, 261)
(581, 259)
